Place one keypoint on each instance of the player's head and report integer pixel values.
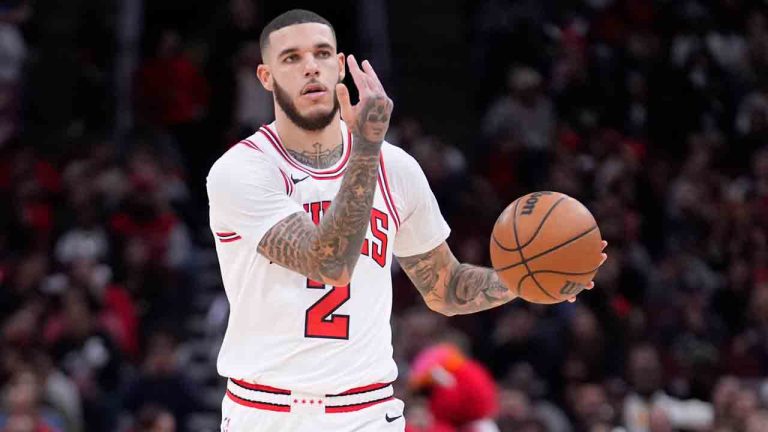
(301, 67)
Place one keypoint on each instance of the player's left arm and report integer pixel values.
(453, 288)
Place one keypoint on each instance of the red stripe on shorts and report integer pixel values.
(260, 405)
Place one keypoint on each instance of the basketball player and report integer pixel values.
(308, 214)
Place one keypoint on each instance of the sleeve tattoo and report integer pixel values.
(452, 288)
(328, 252)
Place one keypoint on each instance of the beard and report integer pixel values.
(309, 123)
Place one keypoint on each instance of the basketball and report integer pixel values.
(546, 247)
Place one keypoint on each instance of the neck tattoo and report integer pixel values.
(318, 157)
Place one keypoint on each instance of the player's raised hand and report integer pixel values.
(369, 119)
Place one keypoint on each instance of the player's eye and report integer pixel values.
(324, 54)
(291, 58)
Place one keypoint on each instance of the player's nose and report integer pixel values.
(311, 68)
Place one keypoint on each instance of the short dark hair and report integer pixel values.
(292, 17)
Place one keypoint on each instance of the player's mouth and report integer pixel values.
(314, 91)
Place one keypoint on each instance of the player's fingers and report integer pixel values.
(590, 285)
(347, 113)
(372, 74)
(604, 257)
(343, 94)
(358, 76)
(605, 243)
(572, 300)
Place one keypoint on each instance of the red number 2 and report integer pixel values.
(320, 321)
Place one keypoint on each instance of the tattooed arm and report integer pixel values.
(451, 288)
(329, 251)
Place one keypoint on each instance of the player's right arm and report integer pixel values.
(328, 252)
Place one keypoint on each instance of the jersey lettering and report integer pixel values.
(314, 210)
(379, 225)
(376, 248)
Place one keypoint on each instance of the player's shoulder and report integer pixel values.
(398, 161)
(244, 160)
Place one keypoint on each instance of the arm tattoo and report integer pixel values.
(318, 158)
(328, 253)
(452, 288)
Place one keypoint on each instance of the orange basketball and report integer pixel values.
(546, 247)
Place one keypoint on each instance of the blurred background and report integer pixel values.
(653, 113)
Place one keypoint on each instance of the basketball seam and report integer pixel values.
(559, 273)
(493, 237)
(566, 273)
(525, 263)
(538, 228)
(566, 243)
(514, 221)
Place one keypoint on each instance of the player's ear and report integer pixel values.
(342, 66)
(265, 76)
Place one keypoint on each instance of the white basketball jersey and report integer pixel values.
(284, 330)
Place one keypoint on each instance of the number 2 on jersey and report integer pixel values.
(320, 321)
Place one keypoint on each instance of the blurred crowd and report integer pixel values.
(652, 113)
